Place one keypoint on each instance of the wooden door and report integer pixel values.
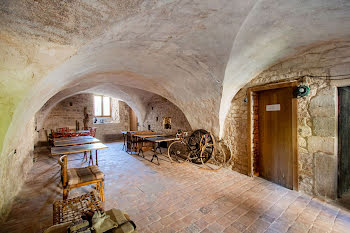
(133, 121)
(276, 135)
(343, 140)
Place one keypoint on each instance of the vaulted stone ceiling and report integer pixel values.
(195, 53)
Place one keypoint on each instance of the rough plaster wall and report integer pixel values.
(317, 116)
(14, 168)
(65, 22)
(164, 108)
(36, 37)
(41, 46)
(64, 115)
(156, 44)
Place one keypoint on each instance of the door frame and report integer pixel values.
(253, 91)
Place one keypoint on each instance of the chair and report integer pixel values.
(86, 134)
(53, 134)
(93, 131)
(70, 133)
(77, 177)
(60, 130)
(65, 132)
(73, 133)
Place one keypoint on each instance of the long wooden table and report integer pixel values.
(71, 138)
(131, 140)
(76, 142)
(65, 150)
(149, 135)
(143, 137)
(158, 140)
(124, 133)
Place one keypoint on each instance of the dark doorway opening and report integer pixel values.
(133, 121)
(343, 144)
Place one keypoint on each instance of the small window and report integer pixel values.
(102, 106)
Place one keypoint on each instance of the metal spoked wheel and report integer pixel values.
(201, 143)
(178, 151)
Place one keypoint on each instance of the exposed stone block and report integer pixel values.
(302, 142)
(321, 144)
(324, 126)
(323, 111)
(306, 163)
(306, 184)
(322, 101)
(325, 175)
(304, 131)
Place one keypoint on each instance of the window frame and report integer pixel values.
(110, 107)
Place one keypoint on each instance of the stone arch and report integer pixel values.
(270, 34)
(322, 68)
(198, 66)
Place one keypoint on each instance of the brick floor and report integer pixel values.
(177, 198)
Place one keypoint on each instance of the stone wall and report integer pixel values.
(14, 168)
(158, 108)
(317, 115)
(70, 110)
(120, 121)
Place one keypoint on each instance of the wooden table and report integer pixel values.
(74, 142)
(143, 137)
(124, 133)
(149, 135)
(65, 150)
(158, 140)
(71, 138)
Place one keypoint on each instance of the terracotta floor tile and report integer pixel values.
(206, 231)
(201, 224)
(176, 198)
(192, 228)
(215, 227)
(231, 229)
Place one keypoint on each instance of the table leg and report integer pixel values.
(91, 159)
(141, 148)
(160, 151)
(132, 144)
(96, 159)
(124, 146)
(155, 153)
